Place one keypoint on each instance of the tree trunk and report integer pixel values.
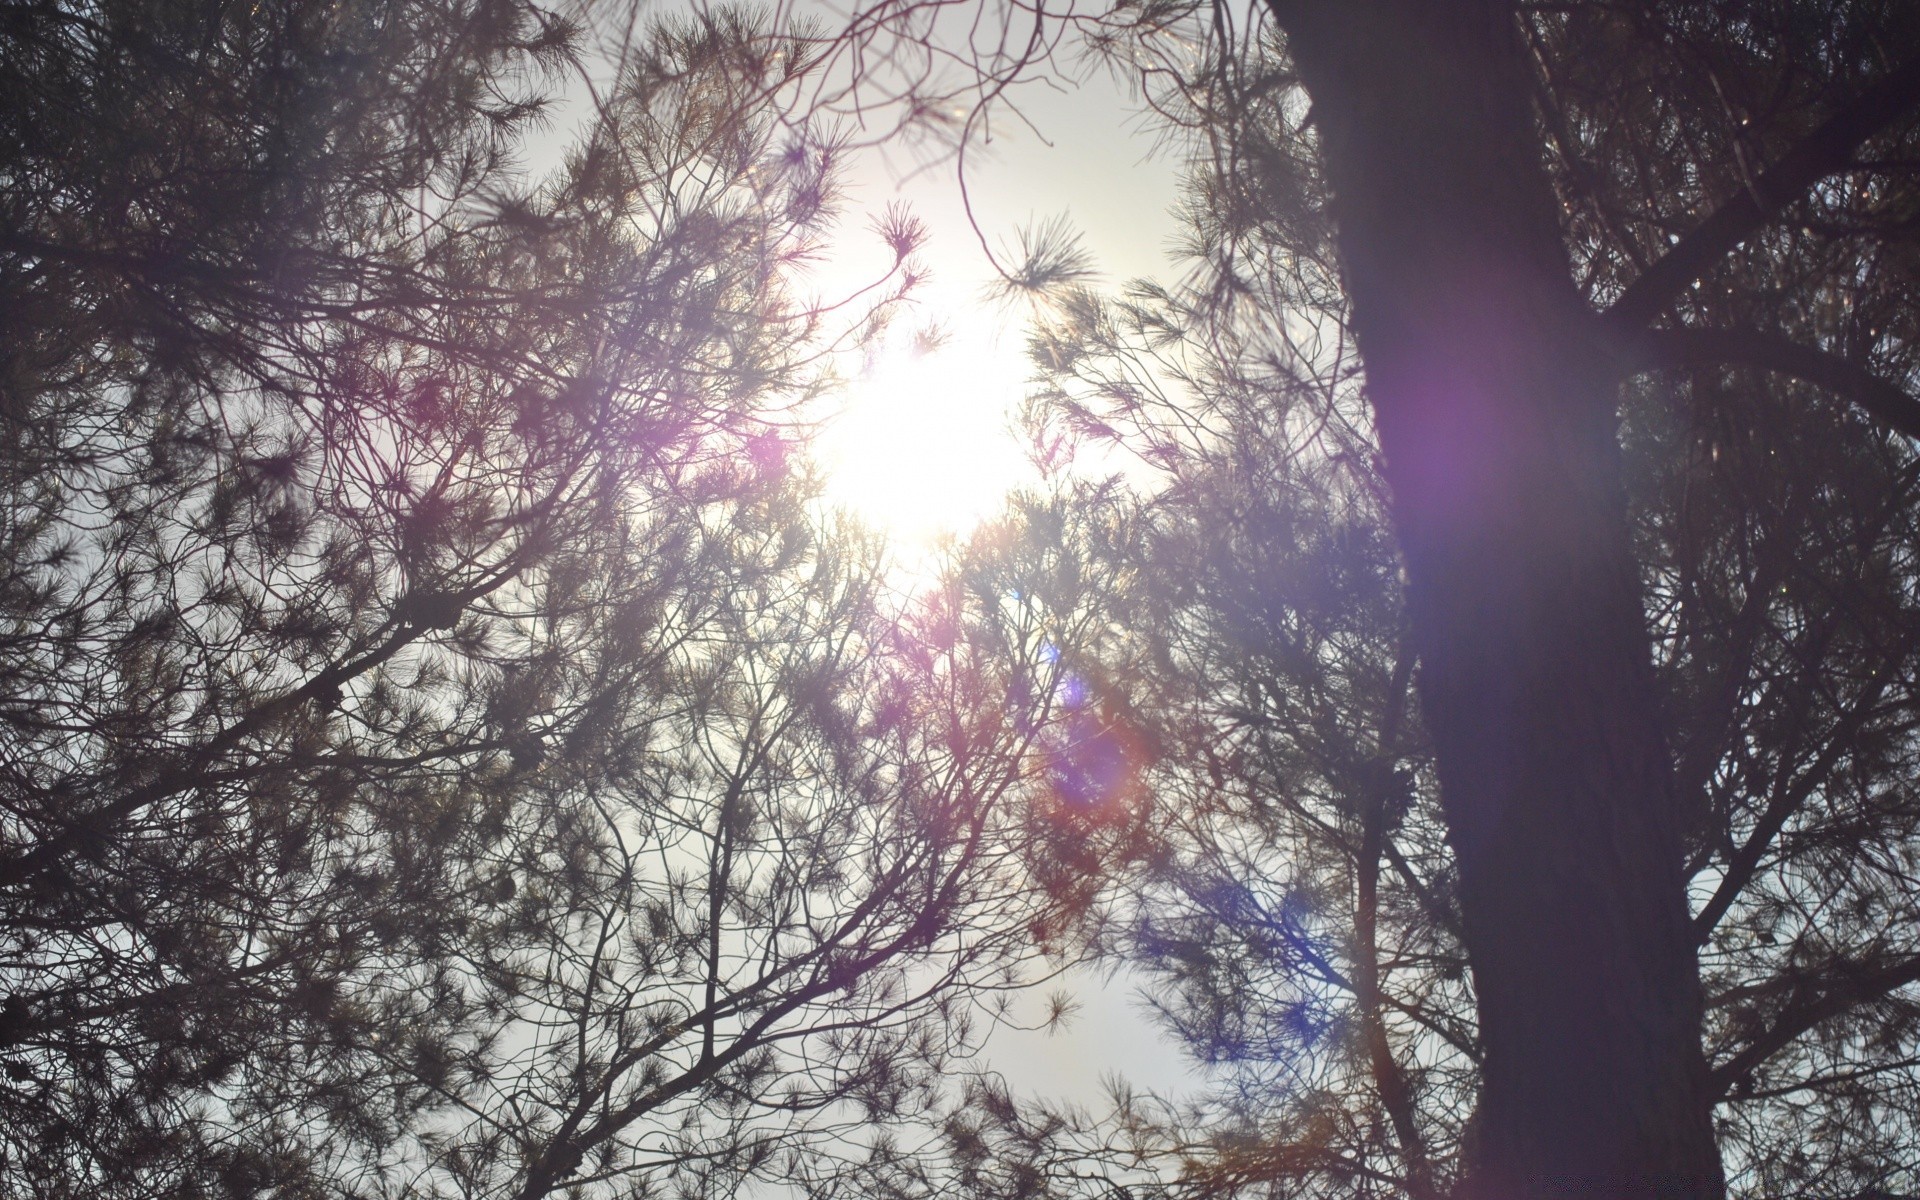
(1497, 416)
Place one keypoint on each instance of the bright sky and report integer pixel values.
(925, 447)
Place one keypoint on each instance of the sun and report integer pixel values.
(924, 449)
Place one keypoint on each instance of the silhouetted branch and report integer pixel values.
(1827, 149)
(1847, 992)
(1670, 348)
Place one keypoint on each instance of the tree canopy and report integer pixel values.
(447, 749)
(443, 755)
(1320, 867)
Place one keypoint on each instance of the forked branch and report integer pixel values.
(1829, 148)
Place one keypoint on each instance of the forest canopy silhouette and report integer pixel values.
(1455, 657)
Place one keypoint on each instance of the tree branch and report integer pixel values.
(1390, 1082)
(1827, 149)
(1785, 802)
(1666, 348)
(1798, 1018)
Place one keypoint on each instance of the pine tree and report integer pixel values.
(442, 756)
(1732, 222)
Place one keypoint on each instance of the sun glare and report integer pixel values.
(923, 449)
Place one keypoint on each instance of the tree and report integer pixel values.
(1449, 169)
(222, 438)
(1297, 919)
(441, 756)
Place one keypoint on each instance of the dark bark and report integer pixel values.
(1497, 411)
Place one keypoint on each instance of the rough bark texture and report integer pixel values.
(1497, 417)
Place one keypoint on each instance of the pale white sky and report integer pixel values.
(925, 445)
(943, 421)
